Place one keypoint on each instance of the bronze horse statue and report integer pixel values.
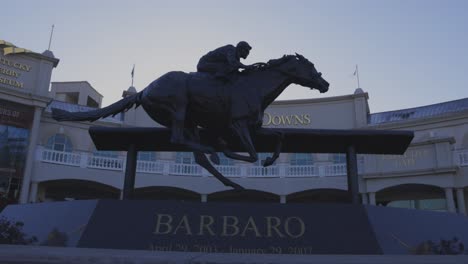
(186, 102)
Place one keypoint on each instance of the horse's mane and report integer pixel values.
(276, 62)
(273, 63)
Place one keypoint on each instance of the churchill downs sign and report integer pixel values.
(286, 120)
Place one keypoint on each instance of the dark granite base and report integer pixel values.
(299, 229)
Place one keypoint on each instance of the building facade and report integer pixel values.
(50, 160)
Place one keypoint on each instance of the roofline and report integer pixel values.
(320, 100)
(27, 52)
(81, 82)
(402, 124)
(406, 109)
(33, 54)
(55, 61)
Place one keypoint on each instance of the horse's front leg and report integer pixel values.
(278, 144)
(230, 154)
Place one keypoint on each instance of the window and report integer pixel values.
(59, 142)
(13, 152)
(147, 155)
(185, 158)
(339, 158)
(301, 159)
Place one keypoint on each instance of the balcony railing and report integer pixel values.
(88, 160)
(229, 171)
(186, 169)
(61, 157)
(302, 171)
(97, 162)
(257, 171)
(335, 170)
(149, 166)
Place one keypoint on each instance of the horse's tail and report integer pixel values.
(93, 115)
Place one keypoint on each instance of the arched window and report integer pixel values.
(184, 158)
(301, 159)
(59, 142)
(147, 155)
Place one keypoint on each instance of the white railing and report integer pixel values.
(302, 171)
(256, 171)
(97, 162)
(229, 171)
(186, 169)
(150, 166)
(335, 170)
(317, 171)
(61, 157)
(87, 160)
(462, 158)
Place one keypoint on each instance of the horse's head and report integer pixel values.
(303, 72)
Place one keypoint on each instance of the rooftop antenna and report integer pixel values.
(133, 73)
(51, 34)
(356, 73)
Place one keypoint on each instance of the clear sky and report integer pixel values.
(410, 53)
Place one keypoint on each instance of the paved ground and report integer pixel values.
(11, 254)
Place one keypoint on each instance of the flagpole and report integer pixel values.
(357, 75)
(133, 73)
(51, 34)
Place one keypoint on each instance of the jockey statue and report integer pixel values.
(224, 61)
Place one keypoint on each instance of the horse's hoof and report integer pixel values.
(268, 161)
(215, 158)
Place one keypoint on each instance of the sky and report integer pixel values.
(409, 53)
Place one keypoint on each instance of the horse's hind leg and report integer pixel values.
(194, 134)
(203, 161)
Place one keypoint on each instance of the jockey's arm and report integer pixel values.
(233, 61)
